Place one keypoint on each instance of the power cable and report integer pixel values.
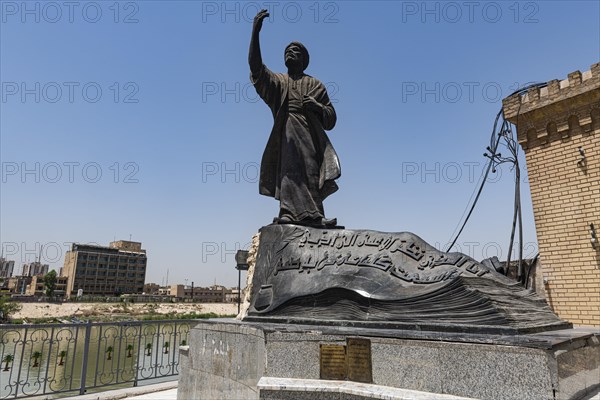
(495, 159)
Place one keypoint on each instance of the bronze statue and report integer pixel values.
(299, 165)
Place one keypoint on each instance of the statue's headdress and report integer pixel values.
(305, 56)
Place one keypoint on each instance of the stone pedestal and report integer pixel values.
(226, 359)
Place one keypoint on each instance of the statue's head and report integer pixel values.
(296, 56)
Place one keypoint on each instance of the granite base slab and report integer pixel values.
(313, 389)
(226, 359)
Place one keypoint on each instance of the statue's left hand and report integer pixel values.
(310, 104)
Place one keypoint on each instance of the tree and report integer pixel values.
(50, 283)
(7, 308)
(129, 350)
(36, 356)
(62, 356)
(7, 359)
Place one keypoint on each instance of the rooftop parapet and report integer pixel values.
(556, 109)
(576, 84)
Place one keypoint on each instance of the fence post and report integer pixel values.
(86, 349)
(137, 362)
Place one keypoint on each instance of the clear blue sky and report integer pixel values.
(177, 132)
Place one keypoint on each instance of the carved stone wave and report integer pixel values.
(396, 280)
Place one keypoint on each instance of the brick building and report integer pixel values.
(558, 127)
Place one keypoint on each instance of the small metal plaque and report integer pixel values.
(333, 361)
(358, 360)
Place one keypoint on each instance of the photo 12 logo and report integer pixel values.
(237, 92)
(45, 252)
(69, 92)
(326, 12)
(455, 92)
(221, 252)
(68, 172)
(235, 172)
(454, 12)
(482, 250)
(53, 12)
(453, 172)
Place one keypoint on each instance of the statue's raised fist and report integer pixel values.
(258, 19)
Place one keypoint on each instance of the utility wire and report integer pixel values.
(495, 159)
(491, 148)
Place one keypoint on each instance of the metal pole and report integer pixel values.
(86, 349)
(137, 361)
(239, 292)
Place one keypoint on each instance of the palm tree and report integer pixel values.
(129, 350)
(7, 359)
(109, 351)
(62, 356)
(148, 349)
(36, 356)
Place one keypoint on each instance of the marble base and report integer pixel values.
(226, 359)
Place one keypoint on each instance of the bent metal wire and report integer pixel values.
(61, 358)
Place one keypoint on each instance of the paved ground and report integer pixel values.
(170, 394)
(593, 396)
(168, 391)
(159, 391)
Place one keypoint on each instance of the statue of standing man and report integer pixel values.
(299, 165)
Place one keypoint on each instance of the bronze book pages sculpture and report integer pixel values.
(396, 280)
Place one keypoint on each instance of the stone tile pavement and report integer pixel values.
(159, 391)
(168, 391)
(170, 394)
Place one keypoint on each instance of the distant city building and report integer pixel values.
(151, 288)
(232, 296)
(37, 288)
(6, 268)
(117, 269)
(17, 284)
(35, 268)
(212, 294)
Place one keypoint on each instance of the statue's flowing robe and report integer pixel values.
(299, 164)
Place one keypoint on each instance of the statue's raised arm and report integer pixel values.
(254, 56)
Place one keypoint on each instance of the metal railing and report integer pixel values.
(50, 359)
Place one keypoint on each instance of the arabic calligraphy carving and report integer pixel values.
(389, 252)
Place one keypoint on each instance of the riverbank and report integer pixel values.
(33, 312)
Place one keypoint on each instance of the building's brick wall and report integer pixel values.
(552, 124)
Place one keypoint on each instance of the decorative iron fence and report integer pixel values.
(51, 359)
